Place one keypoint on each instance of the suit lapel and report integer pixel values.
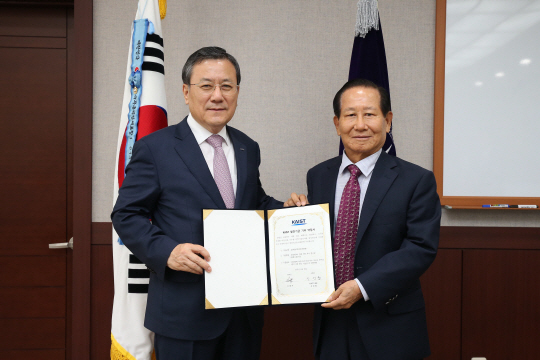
(382, 178)
(190, 152)
(240, 154)
(329, 182)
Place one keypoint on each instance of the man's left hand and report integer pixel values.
(344, 297)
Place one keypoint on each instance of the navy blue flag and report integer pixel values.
(368, 61)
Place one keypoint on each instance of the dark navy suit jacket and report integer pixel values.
(397, 240)
(168, 181)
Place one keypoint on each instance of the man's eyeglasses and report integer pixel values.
(209, 87)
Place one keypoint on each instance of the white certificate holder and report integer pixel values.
(236, 235)
(300, 255)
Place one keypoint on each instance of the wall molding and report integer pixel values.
(452, 237)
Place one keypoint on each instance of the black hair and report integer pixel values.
(385, 98)
(208, 53)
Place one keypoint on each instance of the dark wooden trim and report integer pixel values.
(463, 237)
(82, 179)
(476, 202)
(70, 39)
(480, 207)
(32, 42)
(102, 301)
(37, 3)
(438, 116)
(101, 233)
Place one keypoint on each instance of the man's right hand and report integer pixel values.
(185, 257)
(296, 200)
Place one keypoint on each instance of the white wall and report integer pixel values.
(294, 56)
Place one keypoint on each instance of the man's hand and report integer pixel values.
(296, 200)
(344, 297)
(185, 257)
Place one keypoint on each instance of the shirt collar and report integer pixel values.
(201, 134)
(366, 165)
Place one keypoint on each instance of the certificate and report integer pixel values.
(300, 249)
(295, 254)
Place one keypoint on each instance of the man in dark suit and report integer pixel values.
(173, 174)
(385, 213)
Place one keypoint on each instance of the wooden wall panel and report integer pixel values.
(441, 285)
(32, 42)
(32, 21)
(287, 332)
(501, 316)
(102, 233)
(463, 290)
(102, 301)
(33, 148)
(464, 237)
(33, 270)
(33, 333)
(54, 354)
(29, 302)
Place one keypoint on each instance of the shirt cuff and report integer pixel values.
(364, 293)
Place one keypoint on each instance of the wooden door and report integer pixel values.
(35, 182)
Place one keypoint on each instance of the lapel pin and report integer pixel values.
(242, 149)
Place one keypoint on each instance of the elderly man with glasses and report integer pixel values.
(174, 173)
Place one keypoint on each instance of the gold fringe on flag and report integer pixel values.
(119, 353)
(162, 8)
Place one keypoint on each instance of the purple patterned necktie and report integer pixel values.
(346, 228)
(222, 174)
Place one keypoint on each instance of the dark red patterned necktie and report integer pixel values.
(346, 228)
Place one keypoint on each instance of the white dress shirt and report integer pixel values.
(366, 167)
(201, 134)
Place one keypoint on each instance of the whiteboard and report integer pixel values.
(491, 99)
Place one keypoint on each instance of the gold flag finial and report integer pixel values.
(162, 8)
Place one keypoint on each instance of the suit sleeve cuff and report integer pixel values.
(364, 293)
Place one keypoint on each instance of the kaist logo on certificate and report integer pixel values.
(299, 251)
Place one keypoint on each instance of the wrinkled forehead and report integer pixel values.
(361, 96)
